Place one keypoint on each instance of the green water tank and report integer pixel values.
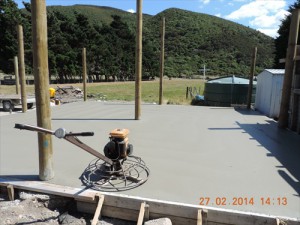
(227, 91)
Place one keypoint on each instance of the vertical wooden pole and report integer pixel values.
(252, 72)
(41, 81)
(138, 60)
(283, 119)
(162, 59)
(16, 66)
(22, 67)
(204, 72)
(84, 73)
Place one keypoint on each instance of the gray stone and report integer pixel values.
(66, 218)
(161, 221)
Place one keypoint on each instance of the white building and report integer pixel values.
(268, 92)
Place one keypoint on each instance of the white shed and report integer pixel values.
(268, 92)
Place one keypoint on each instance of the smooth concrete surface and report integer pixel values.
(192, 152)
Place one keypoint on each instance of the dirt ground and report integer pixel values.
(29, 208)
(69, 96)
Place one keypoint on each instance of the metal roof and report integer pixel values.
(230, 80)
(276, 71)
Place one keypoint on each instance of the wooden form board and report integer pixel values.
(128, 207)
(48, 188)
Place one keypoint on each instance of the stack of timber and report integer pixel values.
(142, 209)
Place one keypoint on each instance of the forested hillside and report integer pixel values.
(192, 40)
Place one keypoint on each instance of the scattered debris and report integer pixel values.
(33, 208)
(68, 94)
(162, 221)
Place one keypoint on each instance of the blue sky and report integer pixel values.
(262, 15)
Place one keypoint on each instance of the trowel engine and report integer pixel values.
(118, 147)
(115, 170)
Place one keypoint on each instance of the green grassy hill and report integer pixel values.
(97, 15)
(192, 40)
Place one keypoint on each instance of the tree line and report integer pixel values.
(110, 48)
(190, 43)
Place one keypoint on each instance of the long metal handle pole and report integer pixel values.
(88, 149)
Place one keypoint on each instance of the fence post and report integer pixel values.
(22, 67)
(252, 72)
(41, 83)
(138, 60)
(16, 66)
(162, 58)
(84, 73)
(289, 70)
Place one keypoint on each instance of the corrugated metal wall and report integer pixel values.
(268, 92)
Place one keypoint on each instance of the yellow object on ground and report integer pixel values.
(52, 92)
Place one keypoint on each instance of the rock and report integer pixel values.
(161, 221)
(27, 195)
(66, 218)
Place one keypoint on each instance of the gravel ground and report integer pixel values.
(62, 98)
(40, 209)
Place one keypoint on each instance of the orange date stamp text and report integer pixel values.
(243, 201)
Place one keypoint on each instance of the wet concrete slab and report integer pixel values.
(220, 157)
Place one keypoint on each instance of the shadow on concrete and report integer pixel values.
(248, 112)
(221, 108)
(281, 144)
(97, 119)
(14, 110)
(20, 177)
(232, 128)
(292, 182)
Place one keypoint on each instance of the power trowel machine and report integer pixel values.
(116, 170)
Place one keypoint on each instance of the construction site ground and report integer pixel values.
(195, 154)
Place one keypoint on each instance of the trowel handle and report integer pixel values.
(81, 134)
(33, 128)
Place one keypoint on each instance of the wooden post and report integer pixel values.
(11, 192)
(162, 58)
(283, 119)
(138, 60)
(202, 217)
(22, 67)
(16, 66)
(41, 81)
(187, 93)
(84, 72)
(252, 72)
(97, 214)
(141, 214)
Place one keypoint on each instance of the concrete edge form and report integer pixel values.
(128, 207)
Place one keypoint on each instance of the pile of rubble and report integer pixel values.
(68, 94)
(33, 208)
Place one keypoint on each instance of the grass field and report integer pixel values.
(174, 91)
